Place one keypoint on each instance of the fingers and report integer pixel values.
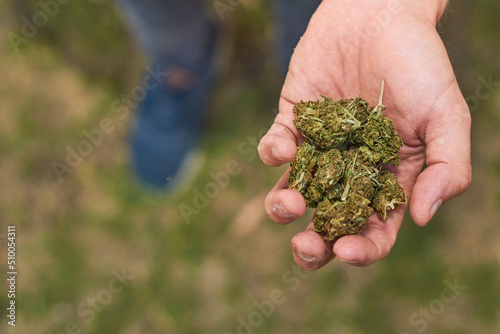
(310, 252)
(374, 243)
(279, 145)
(436, 185)
(284, 205)
(448, 172)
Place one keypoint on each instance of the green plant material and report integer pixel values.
(329, 123)
(335, 219)
(360, 176)
(338, 166)
(389, 195)
(381, 137)
(301, 175)
(330, 169)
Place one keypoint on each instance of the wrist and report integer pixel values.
(430, 10)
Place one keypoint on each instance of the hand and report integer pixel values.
(340, 56)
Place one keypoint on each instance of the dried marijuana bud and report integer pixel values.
(335, 219)
(360, 176)
(379, 135)
(337, 167)
(328, 123)
(301, 175)
(389, 195)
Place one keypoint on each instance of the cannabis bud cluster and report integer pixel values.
(338, 166)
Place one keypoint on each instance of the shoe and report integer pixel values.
(167, 130)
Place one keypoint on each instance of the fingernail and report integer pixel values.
(275, 153)
(435, 207)
(281, 210)
(305, 257)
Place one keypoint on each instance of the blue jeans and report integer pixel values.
(181, 33)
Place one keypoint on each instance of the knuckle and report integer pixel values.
(464, 181)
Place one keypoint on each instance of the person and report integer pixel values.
(348, 49)
(180, 39)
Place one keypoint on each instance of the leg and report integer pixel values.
(292, 17)
(173, 31)
(178, 37)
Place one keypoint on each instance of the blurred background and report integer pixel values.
(98, 254)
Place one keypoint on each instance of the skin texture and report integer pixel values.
(348, 49)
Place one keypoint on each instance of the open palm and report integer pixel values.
(338, 57)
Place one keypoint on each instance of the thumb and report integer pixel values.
(448, 172)
(279, 145)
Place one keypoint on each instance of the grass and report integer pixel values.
(206, 276)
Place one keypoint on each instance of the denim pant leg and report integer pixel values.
(177, 32)
(292, 17)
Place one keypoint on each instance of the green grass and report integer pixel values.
(203, 276)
